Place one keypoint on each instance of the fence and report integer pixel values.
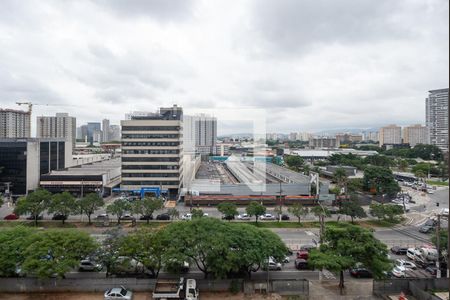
(30, 285)
(416, 287)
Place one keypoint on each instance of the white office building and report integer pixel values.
(415, 134)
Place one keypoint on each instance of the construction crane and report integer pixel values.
(30, 106)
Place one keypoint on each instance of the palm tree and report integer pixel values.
(341, 178)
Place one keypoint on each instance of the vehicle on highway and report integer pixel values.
(307, 247)
(397, 250)
(303, 254)
(146, 217)
(285, 217)
(360, 273)
(399, 272)
(40, 217)
(89, 266)
(426, 229)
(182, 288)
(271, 265)
(118, 293)
(186, 217)
(301, 264)
(405, 263)
(243, 217)
(267, 217)
(59, 217)
(163, 217)
(11, 217)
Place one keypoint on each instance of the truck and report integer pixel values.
(184, 289)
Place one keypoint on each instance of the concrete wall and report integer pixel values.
(33, 149)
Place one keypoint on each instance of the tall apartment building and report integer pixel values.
(371, 136)
(200, 134)
(415, 134)
(324, 142)
(304, 136)
(152, 151)
(14, 123)
(105, 130)
(59, 126)
(348, 137)
(436, 114)
(390, 135)
(293, 136)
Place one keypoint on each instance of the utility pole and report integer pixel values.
(438, 241)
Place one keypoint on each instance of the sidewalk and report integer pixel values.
(354, 289)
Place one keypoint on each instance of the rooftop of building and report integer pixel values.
(97, 168)
(30, 139)
(14, 111)
(165, 113)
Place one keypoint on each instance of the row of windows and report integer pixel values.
(137, 128)
(150, 136)
(139, 167)
(130, 144)
(150, 159)
(150, 183)
(150, 174)
(151, 151)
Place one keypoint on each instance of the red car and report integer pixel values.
(11, 217)
(303, 254)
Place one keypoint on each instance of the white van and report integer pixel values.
(411, 253)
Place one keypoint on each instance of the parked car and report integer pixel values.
(146, 217)
(272, 266)
(285, 260)
(102, 217)
(243, 217)
(163, 217)
(333, 210)
(426, 229)
(303, 254)
(307, 247)
(405, 263)
(399, 272)
(11, 217)
(127, 217)
(228, 217)
(432, 269)
(89, 266)
(32, 217)
(285, 217)
(118, 293)
(430, 222)
(399, 250)
(267, 217)
(301, 264)
(59, 217)
(411, 253)
(186, 217)
(360, 273)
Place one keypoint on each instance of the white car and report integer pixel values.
(285, 260)
(399, 272)
(118, 293)
(272, 265)
(243, 217)
(411, 253)
(186, 217)
(405, 263)
(267, 217)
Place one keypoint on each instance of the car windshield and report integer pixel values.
(123, 292)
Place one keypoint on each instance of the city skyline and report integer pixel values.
(352, 65)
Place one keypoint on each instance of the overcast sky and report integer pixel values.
(312, 64)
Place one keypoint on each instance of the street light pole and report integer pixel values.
(438, 241)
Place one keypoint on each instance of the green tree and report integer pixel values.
(341, 178)
(427, 152)
(352, 208)
(380, 180)
(118, 208)
(147, 206)
(255, 209)
(298, 211)
(90, 203)
(379, 160)
(63, 204)
(346, 246)
(146, 247)
(56, 252)
(109, 253)
(34, 203)
(386, 212)
(197, 213)
(229, 210)
(403, 165)
(173, 213)
(294, 162)
(443, 242)
(321, 211)
(13, 242)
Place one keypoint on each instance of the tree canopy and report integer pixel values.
(229, 210)
(294, 162)
(352, 208)
(380, 180)
(255, 209)
(298, 211)
(147, 206)
(34, 203)
(386, 212)
(63, 204)
(118, 208)
(90, 203)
